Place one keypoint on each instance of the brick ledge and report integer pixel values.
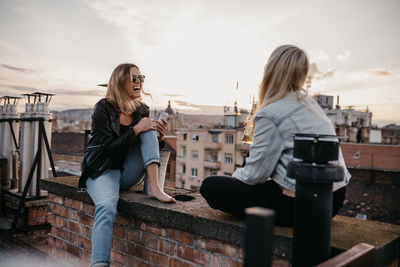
(197, 217)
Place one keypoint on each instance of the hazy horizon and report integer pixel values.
(219, 111)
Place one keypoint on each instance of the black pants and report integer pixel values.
(233, 196)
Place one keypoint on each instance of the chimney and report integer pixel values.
(36, 110)
(337, 102)
(9, 136)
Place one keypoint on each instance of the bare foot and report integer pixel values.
(161, 196)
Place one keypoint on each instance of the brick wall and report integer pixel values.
(135, 242)
(34, 213)
(379, 157)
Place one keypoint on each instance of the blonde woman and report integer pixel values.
(123, 146)
(283, 110)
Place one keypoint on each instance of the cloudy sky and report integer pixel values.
(194, 51)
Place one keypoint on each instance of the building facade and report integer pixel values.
(353, 125)
(205, 152)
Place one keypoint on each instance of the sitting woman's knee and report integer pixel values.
(205, 186)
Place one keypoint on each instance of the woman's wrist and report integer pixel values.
(137, 129)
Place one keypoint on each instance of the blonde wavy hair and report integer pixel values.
(285, 72)
(116, 90)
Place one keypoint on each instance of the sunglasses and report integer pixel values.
(140, 77)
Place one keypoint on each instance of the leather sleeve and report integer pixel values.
(111, 143)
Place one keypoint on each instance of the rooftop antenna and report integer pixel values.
(235, 104)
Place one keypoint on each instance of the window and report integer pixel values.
(213, 172)
(229, 138)
(195, 154)
(214, 138)
(194, 172)
(214, 157)
(183, 168)
(183, 152)
(184, 136)
(195, 137)
(228, 158)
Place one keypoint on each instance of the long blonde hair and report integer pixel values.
(116, 90)
(285, 72)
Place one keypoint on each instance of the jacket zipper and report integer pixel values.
(104, 164)
(94, 146)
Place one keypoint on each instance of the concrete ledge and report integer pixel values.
(197, 217)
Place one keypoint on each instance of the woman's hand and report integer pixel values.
(162, 127)
(144, 125)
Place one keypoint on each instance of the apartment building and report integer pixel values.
(203, 152)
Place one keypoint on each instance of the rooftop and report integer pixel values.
(372, 156)
(196, 217)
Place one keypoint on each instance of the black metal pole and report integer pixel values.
(314, 176)
(25, 191)
(14, 171)
(39, 166)
(258, 237)
(312, 230)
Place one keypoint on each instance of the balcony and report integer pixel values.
(212, 146)
(212, 164)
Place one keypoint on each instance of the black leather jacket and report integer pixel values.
(106, 142)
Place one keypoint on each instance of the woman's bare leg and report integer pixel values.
(154, 188)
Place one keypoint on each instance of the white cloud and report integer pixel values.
(138, 21)
(344, 56)
(380, 72)
(318, 55)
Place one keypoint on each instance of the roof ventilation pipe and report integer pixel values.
(9, 138)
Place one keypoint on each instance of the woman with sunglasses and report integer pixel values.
(123, 145)
(283, 110)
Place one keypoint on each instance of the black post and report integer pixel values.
(21, 204)
(313, 204)
(258, 237)
(14, 179)
(39, 166)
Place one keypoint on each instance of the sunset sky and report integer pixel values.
(194, 52)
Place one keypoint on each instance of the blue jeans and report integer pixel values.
(104, 191)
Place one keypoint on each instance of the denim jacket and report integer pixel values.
(272, 148)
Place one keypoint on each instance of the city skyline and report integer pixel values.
(193, 54)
